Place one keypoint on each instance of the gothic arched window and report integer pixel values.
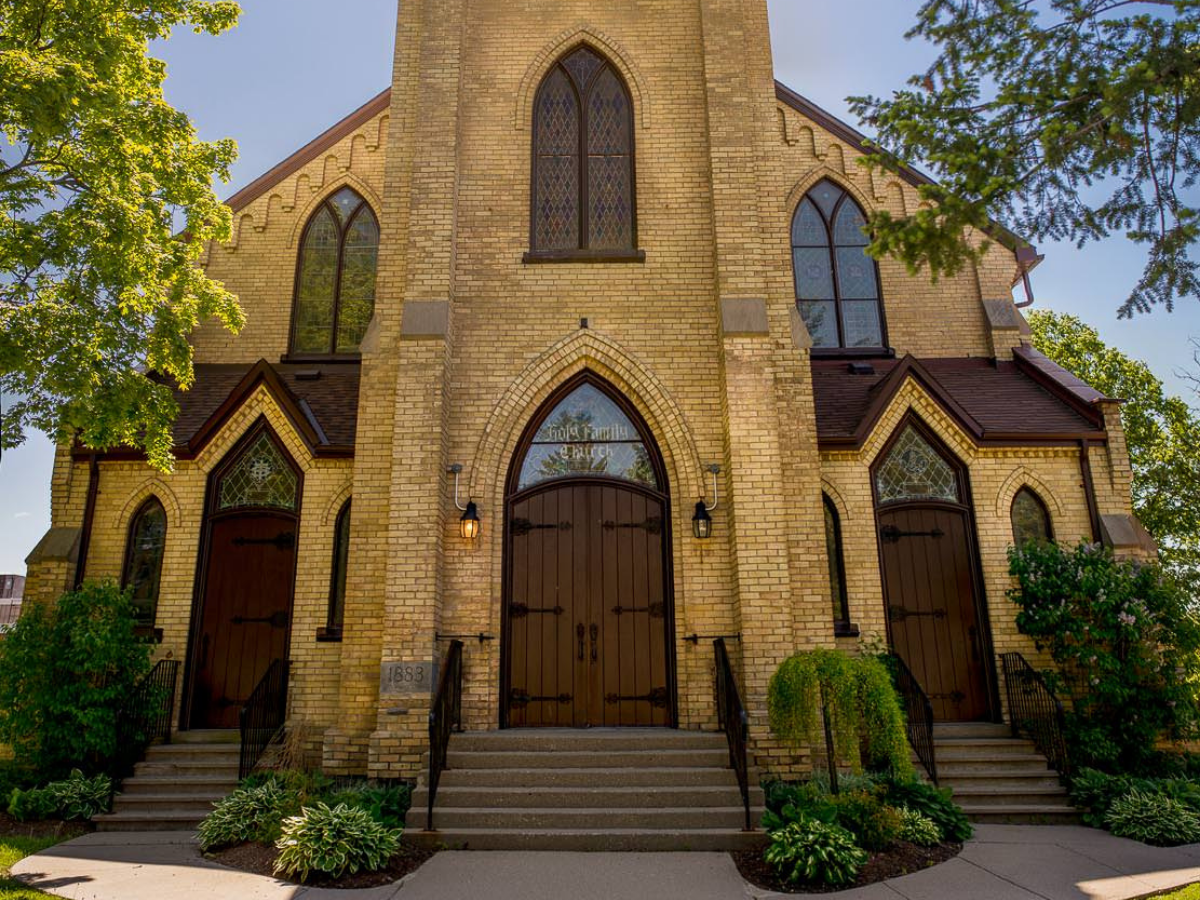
(837, 567)
(335, 277)
(144, 558)
(1030, 519)
(337, 584)
(915, 472)
(583, 182)
(837, 283)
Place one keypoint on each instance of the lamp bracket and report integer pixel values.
(714, 469)
(456, 471)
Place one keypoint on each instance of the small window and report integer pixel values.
(837, 283)
(337, 586)
(1030, 519)
(583, 183)
(837, 569)
(144, 558)
(335, 280)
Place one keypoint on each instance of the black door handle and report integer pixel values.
(579, 633)
(595, 636)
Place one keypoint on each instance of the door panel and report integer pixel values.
(930, 588)
(595, 552)
(244, 615)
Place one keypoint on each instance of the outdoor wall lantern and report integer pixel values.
(702, 522)
(468, 525)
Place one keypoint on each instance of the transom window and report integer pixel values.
(1030, 519)
(144, 558)
(915, 471)
(335, 281)
(837, 283)
(587, 433)
(583, 184)
(261, 477)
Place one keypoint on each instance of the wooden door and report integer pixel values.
(587, 607)
(930, 590)
(244, 614)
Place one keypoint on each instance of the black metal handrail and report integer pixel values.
(918, 711)
(263, 715)
(445, 717)
(146, 716)
(732, 717)
(1035, 710)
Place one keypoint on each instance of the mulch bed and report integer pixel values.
(260, 860)
(901, 859)
(53, 828)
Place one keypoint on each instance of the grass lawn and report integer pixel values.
(12, 849)
(1191, 892)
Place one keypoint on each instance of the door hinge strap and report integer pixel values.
(900, 613)
(658, 698)
(656, 610)
(518, 697)
(521, 610)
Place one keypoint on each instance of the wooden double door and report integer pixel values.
(932, 592)
(587, 608)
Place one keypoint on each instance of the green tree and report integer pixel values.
(1064, 119)
(99, 284)
(1162, 431)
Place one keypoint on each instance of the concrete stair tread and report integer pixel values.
(591, 839)
(977, 789)
(1018, 808)
(165, 815)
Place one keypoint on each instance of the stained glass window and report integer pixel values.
(915, 471)
(144, 558)
(335, 284)
(837, 565)
(587, 433)
(583, 157)
(341, 557)
(260, 477)
(1030, 519)
(837, 283)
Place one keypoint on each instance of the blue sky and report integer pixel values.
(290, 70)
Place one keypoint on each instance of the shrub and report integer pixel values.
(1094, 792)
(919, 829)
(874, 825)
(65, 670)
(861, 706)
(1153, 819)
(334, 841)
(386, 804)
(814, 852)
(1125, 640)
(73, 799)
(253, 813)
(932, 802)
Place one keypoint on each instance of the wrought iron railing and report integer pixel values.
(919, 713)
(445, 717)
(263, 715)
(732, 717)
(146, 716)
(1034, 710)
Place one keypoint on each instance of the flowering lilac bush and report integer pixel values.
(1126, 640)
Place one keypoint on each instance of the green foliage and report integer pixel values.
(860, 702)
(386, 804)
(815, 853)
(874, 825)
(932, 802)
(1162, 433)
(254, 813)
(1153, 819)
(99, 281)
(1094, 792)
(1127, 646)
(65, 671)
(75, 798)
(919, 829)
(334, 841)
(1065, 119)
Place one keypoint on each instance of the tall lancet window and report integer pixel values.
(583, 181)
(335, 277)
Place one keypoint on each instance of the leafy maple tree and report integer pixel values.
(99, 284)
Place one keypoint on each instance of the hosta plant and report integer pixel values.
(76, 798)
(334, 841)
(248, 814)
(917, 828)
(1153, 819)
(813, 852)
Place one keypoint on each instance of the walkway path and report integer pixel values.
(1003, 862)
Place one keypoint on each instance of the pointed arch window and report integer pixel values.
(1030, 519)
(261, 477)
(837, 283)
(144, 548)
(914, 471)
(583, 204)
(335, 277)
(337, 582)
(837, 570)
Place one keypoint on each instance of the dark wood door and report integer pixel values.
(245, 613)
(587, 608)
(931, 593)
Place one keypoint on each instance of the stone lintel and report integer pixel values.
(744, 316)
(424, 320)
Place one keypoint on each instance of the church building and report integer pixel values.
(566, 348)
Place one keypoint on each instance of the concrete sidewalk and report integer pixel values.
(1003, 862)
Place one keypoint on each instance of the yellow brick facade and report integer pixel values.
(721, 164)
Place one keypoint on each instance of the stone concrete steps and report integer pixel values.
(1001, 778)
(591, 839)
(201, 785)
(1022, 814)
(196, 753)
(971, 730)
(184, 768)
(649, 776)
(959, 767)
(559, 740)
(208, 736)
(164, 820)
(672, 818)
(987, 795)
(629, 797)
(590, 759)
(157, 803)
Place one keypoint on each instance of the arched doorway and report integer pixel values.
(931, 581)
(243, 618)
(588, 608)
